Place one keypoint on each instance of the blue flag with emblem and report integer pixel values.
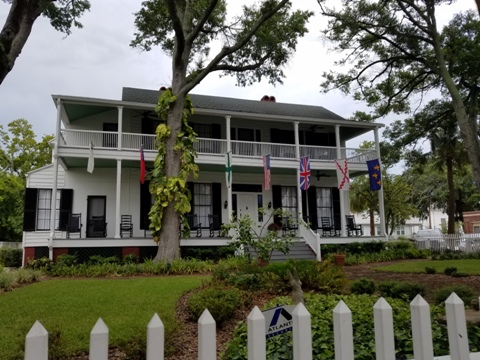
(375, 174)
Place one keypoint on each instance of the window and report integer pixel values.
(400, 230)
(476, 229)
(245, 134)
(260, 206)
(289, 200)
(202, 202)
(324, 204)
(443, 221)
(44, 202)
(203, 130)
(378, 230)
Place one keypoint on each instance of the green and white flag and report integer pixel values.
(228, 168)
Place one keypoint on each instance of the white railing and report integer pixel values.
(36, 341)
(311, 238)
(359, 155)
(131, 141)
(82, 138)
(210, 146)
(450, 242)
(134, 141)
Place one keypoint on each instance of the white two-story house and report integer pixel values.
(86, 209)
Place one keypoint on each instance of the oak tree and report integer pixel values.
(63, 14)
(252, 46)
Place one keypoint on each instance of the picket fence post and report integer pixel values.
(256, 342)
(99, 341)
(302, 333)
(155, 339)
(457, 328)
(207, 337)
(421, 329)
(36, 343)
(383, 324)
(343, 332)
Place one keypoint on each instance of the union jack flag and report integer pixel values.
(304, 173)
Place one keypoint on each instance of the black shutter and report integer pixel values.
(216, 131)
(217, 201)
(304, 202)
(30, 209)
(66, 202)
(336, 202)
(277, 202)
(145, 204)
(312, 207)
(258, 136)
(190, 186)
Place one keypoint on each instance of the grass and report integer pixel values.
(468, 266)
(69, 309)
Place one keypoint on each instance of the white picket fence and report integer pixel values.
(453, 242)
(36, 342)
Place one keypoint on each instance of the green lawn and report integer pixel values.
(469, 266)
(69, 309)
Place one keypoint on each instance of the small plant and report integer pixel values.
(220, 301)
(401, 289)
(463, 292)
(98, 260)
(430, 270)
(7, 279)
(40, 264)
(459, 274)
(265, 240)
(67, 259)
(130, 259)
(362, 286)
(450, 270)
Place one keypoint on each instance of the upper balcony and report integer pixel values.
(207, 149)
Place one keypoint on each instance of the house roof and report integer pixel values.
(237, 105)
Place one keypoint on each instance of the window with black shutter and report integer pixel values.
(66, 203)
(30, 209)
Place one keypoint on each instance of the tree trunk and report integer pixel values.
(169, 237)
(451, 196)
(16, 31)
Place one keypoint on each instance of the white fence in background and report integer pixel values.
(450, 242)
(36, 343)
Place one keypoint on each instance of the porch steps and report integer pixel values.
(298, 251)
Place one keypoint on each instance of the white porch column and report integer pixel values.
(120, 126)
(229, 189)
(342, 192)
(53, 204)
(380, 192)
(118, 199)
(297, 154)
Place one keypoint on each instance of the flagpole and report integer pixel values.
(381, 205)
(299, 190)
(229, 188)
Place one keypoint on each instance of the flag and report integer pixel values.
(91, 160)
(304, 173)
(142, 166)
(342, 174)
(375, 174)
(266, 172)
(228, 169)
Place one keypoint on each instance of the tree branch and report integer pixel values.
(179, 35)
(197, 29)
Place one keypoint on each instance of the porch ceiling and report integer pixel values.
(79, 111)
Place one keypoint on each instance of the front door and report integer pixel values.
(96, 223)
(247, 204)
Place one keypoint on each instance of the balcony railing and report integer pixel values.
(109, 140)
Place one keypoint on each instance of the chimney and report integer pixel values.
(268, 98)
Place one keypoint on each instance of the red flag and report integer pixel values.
(142, 166)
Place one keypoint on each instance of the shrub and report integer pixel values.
(67, 259)
(11, 257)
(362, 286)
(26, 276)
(214, 253)
(220, 301)
(7, 279)
(98, 260)
(459, 274)
(401, 289)
(450, 270)
(430, 270)
(40, 264)
(463, 292)
(130, 259)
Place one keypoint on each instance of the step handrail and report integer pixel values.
(311, 238)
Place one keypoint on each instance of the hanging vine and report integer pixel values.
(172, 189)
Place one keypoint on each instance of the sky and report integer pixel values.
(97, 61)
